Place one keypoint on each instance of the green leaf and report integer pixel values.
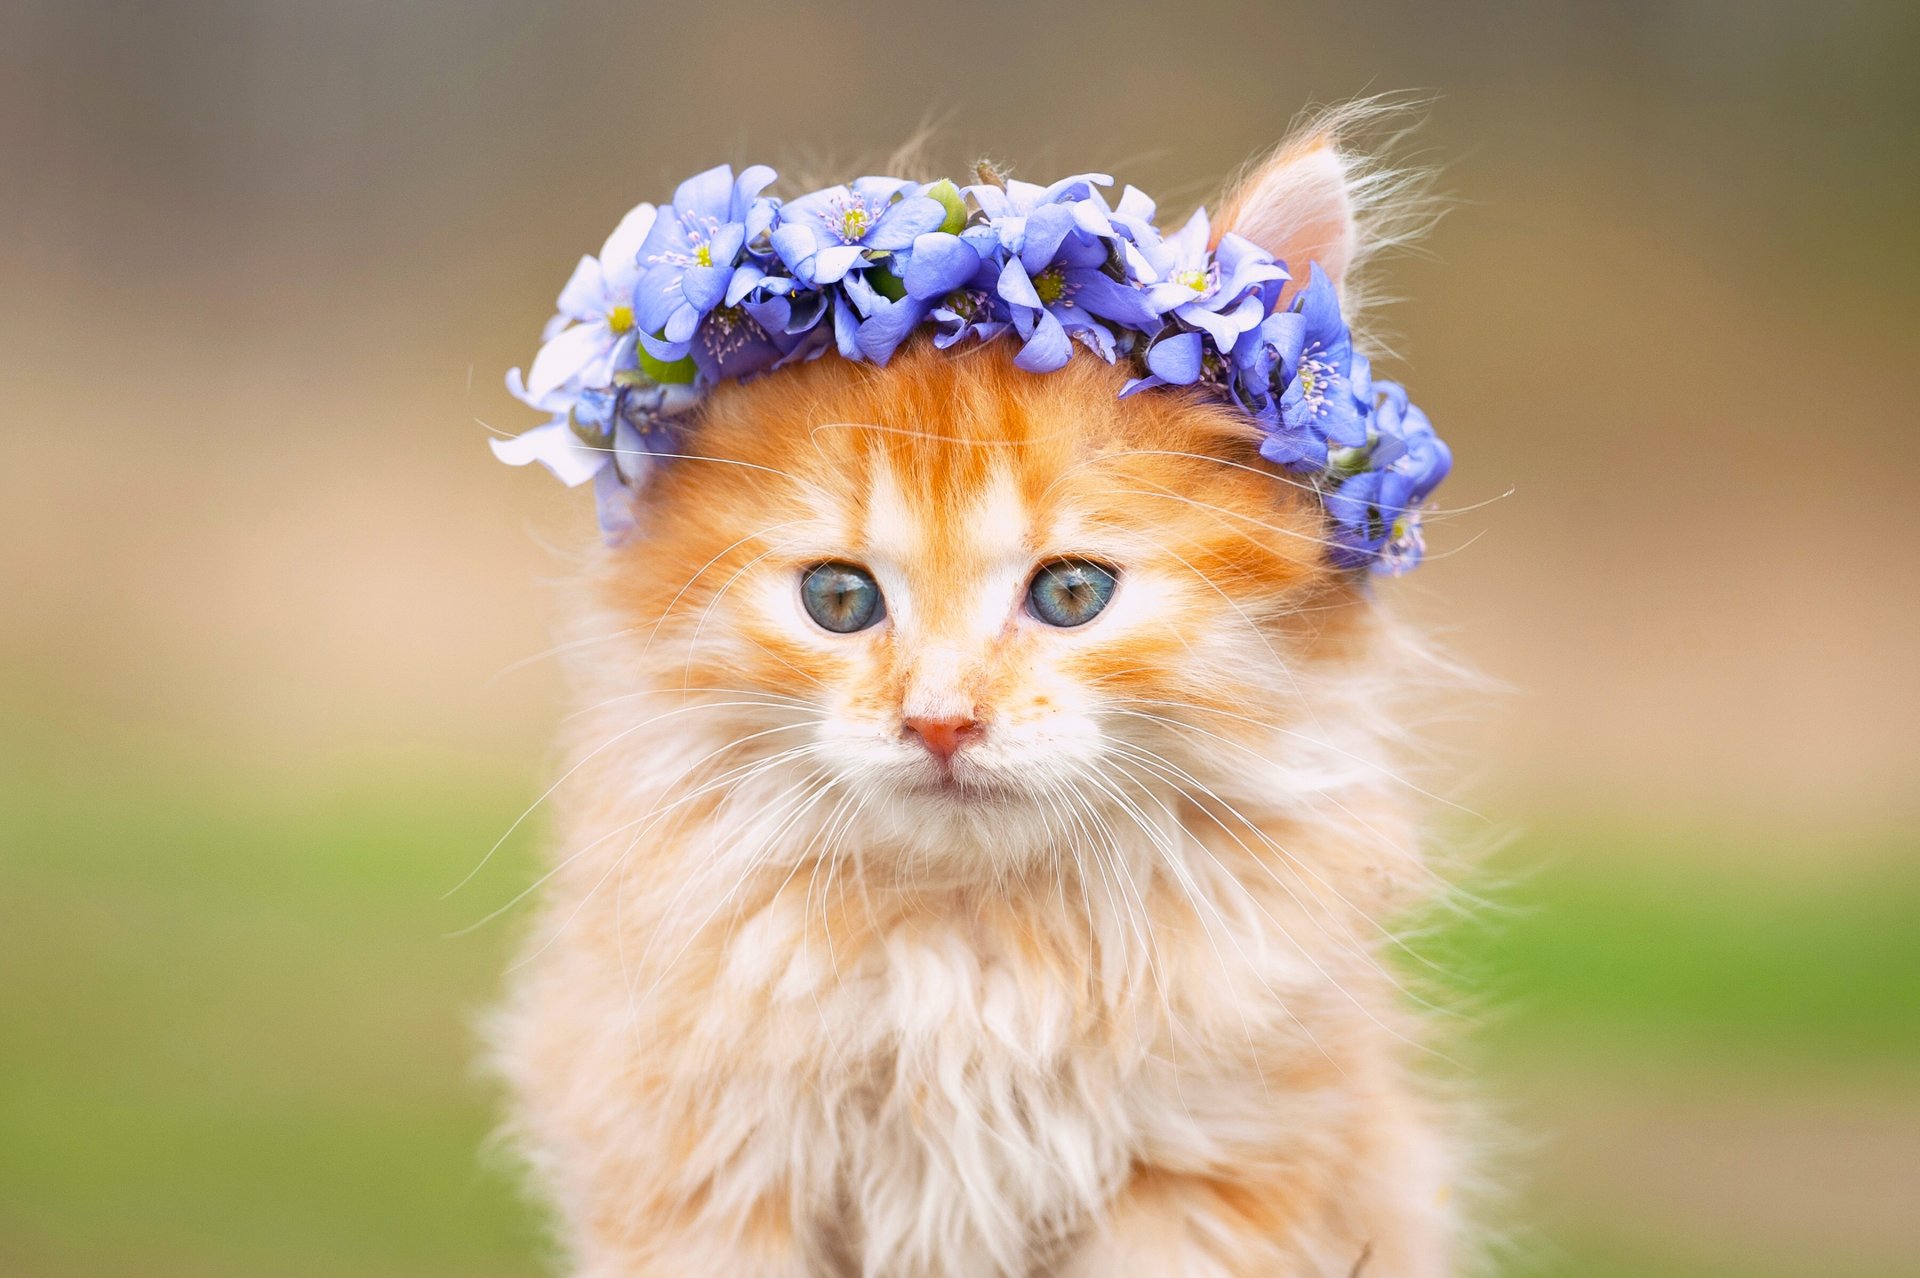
(679, 373)
(950, 199)
(887, 284)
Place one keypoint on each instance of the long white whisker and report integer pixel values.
(759, 856)
(620, 861)
(1371, 765)
(771, 700)
(653, 814)
(1380, 837)
(1171, 773)
(1171, 860)
(564, 776)
(1307, 954)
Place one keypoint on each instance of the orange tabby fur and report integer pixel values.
(1118, 1006)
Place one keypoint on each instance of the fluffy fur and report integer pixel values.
(1110, 1001)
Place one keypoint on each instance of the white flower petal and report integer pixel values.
(1190, 241)
(1137, 262)
(558, 400)
(517, 387)
(556, 447)
(585, 295)
(620, 255)
(1134, 203)
(568, 356)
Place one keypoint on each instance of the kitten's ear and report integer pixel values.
(1298, 205)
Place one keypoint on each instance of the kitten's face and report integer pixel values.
(911, 567)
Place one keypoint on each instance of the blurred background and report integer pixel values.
(264, 596)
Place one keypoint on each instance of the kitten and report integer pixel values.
(895, 931)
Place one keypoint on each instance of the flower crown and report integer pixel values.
(726, 283)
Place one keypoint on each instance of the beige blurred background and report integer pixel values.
(265, 263)
(262, 266)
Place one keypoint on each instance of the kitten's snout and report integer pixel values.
(942, 737)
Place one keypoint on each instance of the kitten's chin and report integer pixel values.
(966, 820)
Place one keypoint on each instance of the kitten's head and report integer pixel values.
(988, 606)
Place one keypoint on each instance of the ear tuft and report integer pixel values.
(1298, 205)
(1329, 195)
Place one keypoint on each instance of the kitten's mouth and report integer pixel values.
(964, 785)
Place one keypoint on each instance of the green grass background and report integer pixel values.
(238, 1030)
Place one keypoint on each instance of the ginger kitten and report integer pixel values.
(978, 844)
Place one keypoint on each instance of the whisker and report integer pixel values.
(772, 700)
(932, 437)
(645, 452)
(1171, 772)
(794, 792)
(758, 858)
(1370, 764)
(701, 571)
(1304, 951)
(1279, 477)
(546, 794)
(654, 818)
(659, 810)
(569, 645)
(1171, 860)
(1383, 840)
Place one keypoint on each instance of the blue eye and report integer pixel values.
(1069, 592)
(843, 598)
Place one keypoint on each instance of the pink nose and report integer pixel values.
(942, 737)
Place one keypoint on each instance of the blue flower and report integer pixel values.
(1132, 217)
(633, 418)
(1328, 395)
(1179, 358)
(1405, 441)
(1376, 512)
(1010, 209)
(1218, 292)
(822, 236)
(945, 276)
(732, 343)
(1055, 289)
(630, 425)
(968, 312)
(941, 261)
(1262, 360)
(692, 251)
(871, 325)
(1369, 510)
(591, 337)
(782, 305)
(1297, 374)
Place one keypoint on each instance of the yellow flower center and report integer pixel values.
(704, 255)
(620, 319)
(853, 224)
(1050, 284)
(1195, 280)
